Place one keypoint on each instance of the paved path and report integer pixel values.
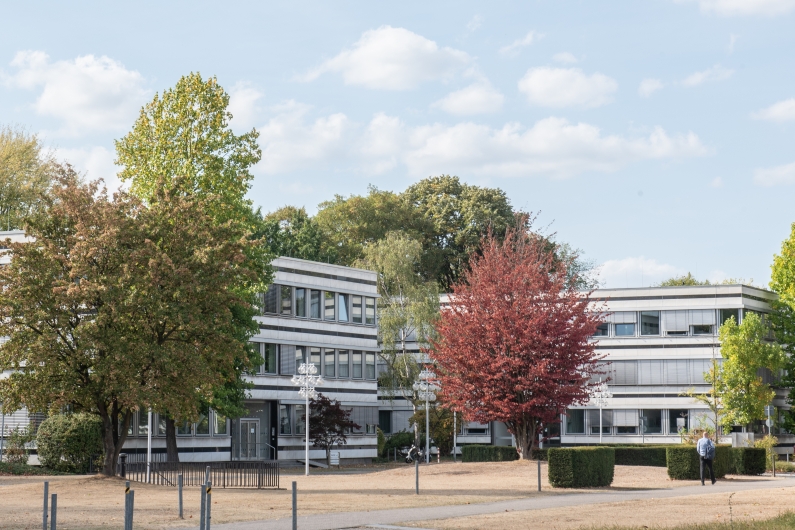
(371, 519)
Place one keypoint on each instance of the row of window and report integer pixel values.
(655, 372)
(300, 302)
(210, 424)
(292, 421)
(285, 359)
(616, 422)
(668, 323)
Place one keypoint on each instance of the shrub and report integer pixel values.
(748, 460)
(539, 454)
(641, 456)
(488, 453)
(400, 440)
(768, 443)
(68, 442)
(16, 450)
(581, 467)
(684, 464)
(381, 441)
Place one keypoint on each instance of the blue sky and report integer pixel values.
(656, 136)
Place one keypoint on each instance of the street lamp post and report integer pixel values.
(307, 380)
(426, 390)
(600, 397)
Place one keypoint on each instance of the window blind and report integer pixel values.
(626, 373)
(625, 418)
(624, 317)
(286, 359)
(675, 320)
(651, 372)
(676, 372)
(698, 367)
(702, 317)
(593, 418)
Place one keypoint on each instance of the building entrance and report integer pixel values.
(252, 434)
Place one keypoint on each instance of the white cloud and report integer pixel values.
(477, 98)
(649, 86)
(243, 98)
(87, 94)
(745, 7)
(475, 23)
(565, 58)
(772, 176)
(716, 73)
(635, 272)
(289, 142)
(781, 111)
(93, 162)
(518, 44)
(732, 41)
(566, 87)
(717, 182)
(393, 59)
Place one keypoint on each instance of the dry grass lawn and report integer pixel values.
(92, 502)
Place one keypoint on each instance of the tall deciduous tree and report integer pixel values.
(782, 281)
(513, 344)
(747, 349)
(328, 424)
(25, 175)
(183, 137)
(115, 306)
(289, 231)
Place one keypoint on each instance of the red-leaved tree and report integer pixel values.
(513, 344)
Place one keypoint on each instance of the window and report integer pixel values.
(343, 301)
(626, 430)
(300, 420)
(203, 425)
(220, 424)
(651, 421)
(131, 427)
(300, 302)
(299, 357)
(625, 330)
(385, 421)
(369, 311)
(184, 429)
(649, 322)
(575, 421)
(356, 309)
(271, 299)
(143, 423)
(284, 420)
(161, 424)
(605, 429)
(675, 323)
(269, 358)
(287, 301)
(677, 419)
(328, 369)
(314, 304)
(726, 314)
(601, 330)
(357, 365)
(328, 306)
(477, 428)
(370, 428)
(369, 362)
(702, 329)
(314, 358)
(344, 369)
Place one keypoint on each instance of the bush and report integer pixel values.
(381, 441)
(7, 468)
(488, 453)
(16, 450)
(581, 467)
(539, 454)
(684, 464)
(400, 440)
(748, 460)
(68, 442)
(641, 456)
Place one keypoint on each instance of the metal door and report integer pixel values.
(249, 436)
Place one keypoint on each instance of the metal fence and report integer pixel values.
(222, 474)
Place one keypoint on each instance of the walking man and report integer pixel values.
(706, 453)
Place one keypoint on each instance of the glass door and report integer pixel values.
(249, 436)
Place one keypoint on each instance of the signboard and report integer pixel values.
(335, 458)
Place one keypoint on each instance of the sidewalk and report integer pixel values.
(333, 521)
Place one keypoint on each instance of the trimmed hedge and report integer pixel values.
(748, 460)
(488, 453)
(539, 454)
(67, 442)
(581, 467)
(641, 456)
(684, 464)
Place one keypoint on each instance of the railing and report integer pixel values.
(252, 451)
(222, 474)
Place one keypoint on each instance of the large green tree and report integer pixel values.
(290, 231)
(116, 306)
(747, 349)
(782, 281)
(25, 174)
(183, 137)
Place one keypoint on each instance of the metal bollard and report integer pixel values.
(207, 475)
(46, 497)
(132, 508)
(417, 475)
(123, 462)
(209, 505)
(539, 471)
(295, 506)
(127, 525)
(179, 484)
(203, 507)
(53, 515)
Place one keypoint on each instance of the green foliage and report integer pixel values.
(7, 468)
(782, 318)
(16, 446)
(684, 463)
(581, 467)
(68, 442)
(685, 279)
(290, 232)
(641, 456)
(746, 350)
(748, 460)
(25, 174)
(381, 438)
(768, 443)
(539, 454)
(401, 441)
(488, 453)
(441, 423)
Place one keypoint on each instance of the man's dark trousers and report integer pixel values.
(708, 463)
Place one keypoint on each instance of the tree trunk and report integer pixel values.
(172, 453)
(112, 439)
(328, 455)
(526, 437)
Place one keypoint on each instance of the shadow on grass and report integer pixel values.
(782, 522)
